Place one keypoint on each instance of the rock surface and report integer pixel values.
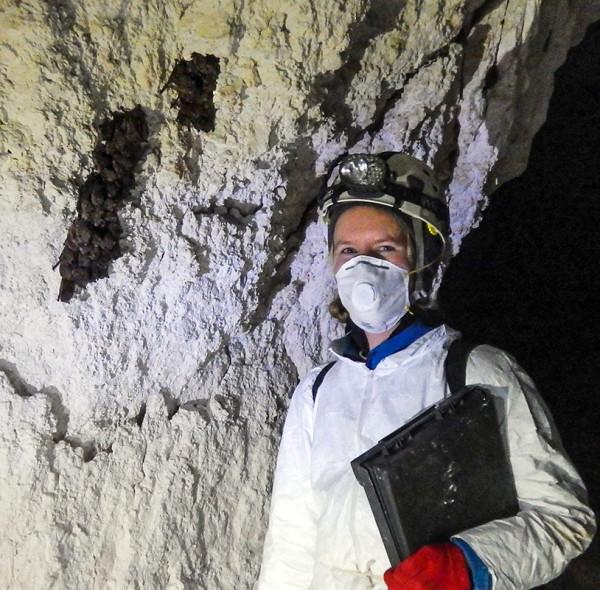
(141, 418)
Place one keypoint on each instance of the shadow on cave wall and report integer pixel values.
(527, 279)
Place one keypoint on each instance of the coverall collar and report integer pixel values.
(353, 346)
(396, 343)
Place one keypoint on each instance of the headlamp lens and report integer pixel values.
(363, 171)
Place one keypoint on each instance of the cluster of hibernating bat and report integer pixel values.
(195, 81)
(93, 238)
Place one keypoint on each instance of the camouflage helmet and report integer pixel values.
(407, 186)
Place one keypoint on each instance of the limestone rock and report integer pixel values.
(141, 418)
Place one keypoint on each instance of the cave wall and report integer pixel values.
(143, 380)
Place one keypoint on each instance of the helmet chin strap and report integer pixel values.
(418, 287)
(420, 290)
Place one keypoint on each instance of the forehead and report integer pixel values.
(368, 222)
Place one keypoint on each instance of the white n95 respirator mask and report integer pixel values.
(374, 291)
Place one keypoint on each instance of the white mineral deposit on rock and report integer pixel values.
(140, 420)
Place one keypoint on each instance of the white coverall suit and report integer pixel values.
(322, 534)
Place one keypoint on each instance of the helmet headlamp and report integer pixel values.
(364, 171)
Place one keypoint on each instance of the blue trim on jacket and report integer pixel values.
(397, 342)
(480, 575)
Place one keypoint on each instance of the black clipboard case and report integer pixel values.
(445, 471)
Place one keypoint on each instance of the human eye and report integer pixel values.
(386, 248)
(348, 250)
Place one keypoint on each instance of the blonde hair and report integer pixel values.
(338, 311)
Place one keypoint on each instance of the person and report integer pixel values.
(387, 231)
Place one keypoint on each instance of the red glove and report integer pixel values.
(433, 567)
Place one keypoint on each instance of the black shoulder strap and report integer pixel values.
(456, 363)
(319, 379)
(455, 366)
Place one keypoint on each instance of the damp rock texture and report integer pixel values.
(141, 413)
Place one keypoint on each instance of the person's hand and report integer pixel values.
(433, 567)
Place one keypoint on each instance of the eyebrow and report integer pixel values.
(388, 238)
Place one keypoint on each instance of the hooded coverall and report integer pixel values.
(322, 534)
